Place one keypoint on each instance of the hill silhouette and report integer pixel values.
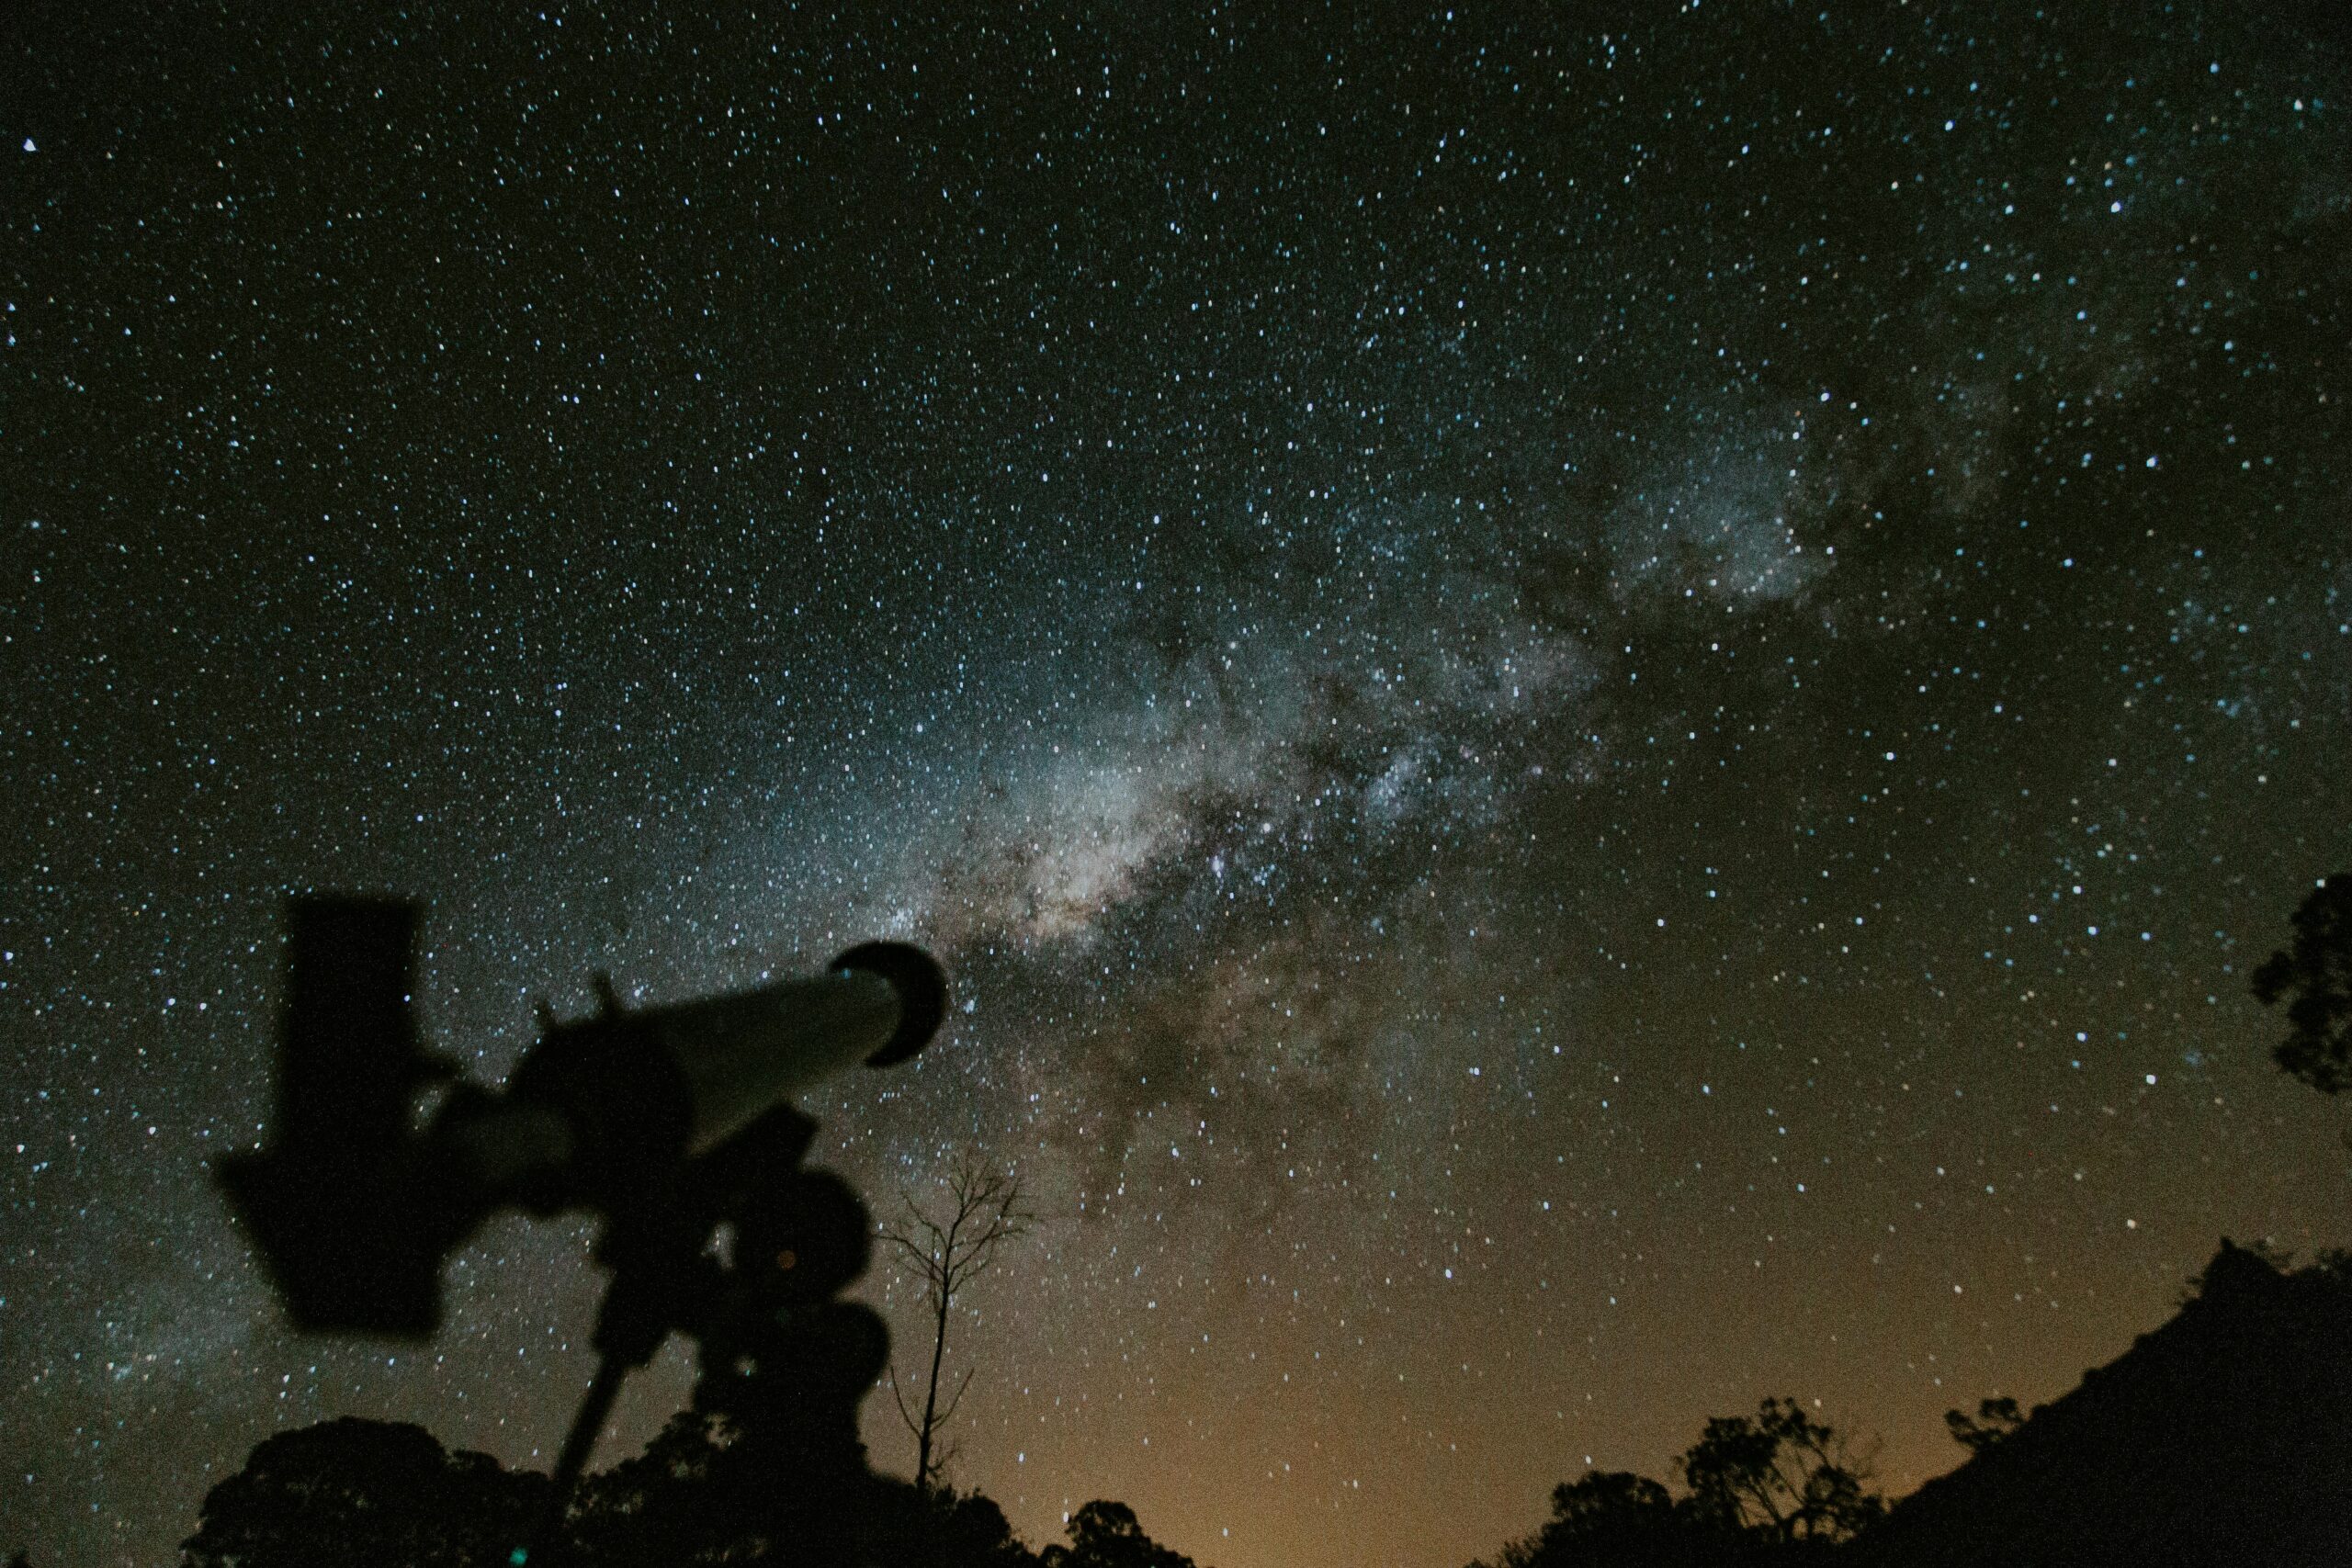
(2223, 1437)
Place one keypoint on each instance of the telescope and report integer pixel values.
(356, 1209)
(673, 1125)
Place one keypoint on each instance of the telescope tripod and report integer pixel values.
(746, 1252)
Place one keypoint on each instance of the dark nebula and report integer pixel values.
(1599, 708)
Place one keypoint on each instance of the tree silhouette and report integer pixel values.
(1617, 1518)
(1105, 1534)
(2317, 970)
(661, 1505)
(1778, 1474)
(969, 1531)
(1995, 1419)
(363, 1495)
(1760, 1489)
(983, 1212)
(705, 1492)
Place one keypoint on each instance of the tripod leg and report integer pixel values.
(595, 1409)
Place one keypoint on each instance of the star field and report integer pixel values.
(1600, 715)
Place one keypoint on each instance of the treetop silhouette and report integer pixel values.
(1995, 1419)
(2315, 969)
(1762, 1487)
(1105, 1534)
(376, 1494)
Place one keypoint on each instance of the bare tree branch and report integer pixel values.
(948, 1411)
(900, 1399)
(983, 1212)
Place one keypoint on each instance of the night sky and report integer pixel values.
(1599, 706)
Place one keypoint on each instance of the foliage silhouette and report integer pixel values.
(363, 1495)
(1777, 1485)
(1779, 1474)
(2317, 970)
(1620, 1520)
(972, 1532)
(707, 1491)
(1105, 1534)
(1995, 1419)
(379, 1496)
(657, 1506)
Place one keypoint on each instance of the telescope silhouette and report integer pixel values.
(356, 1209)
(671, 1124)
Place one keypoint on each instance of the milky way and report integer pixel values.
(1598, 721)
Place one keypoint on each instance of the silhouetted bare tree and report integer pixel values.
(983, 1212)
(2317, 970)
